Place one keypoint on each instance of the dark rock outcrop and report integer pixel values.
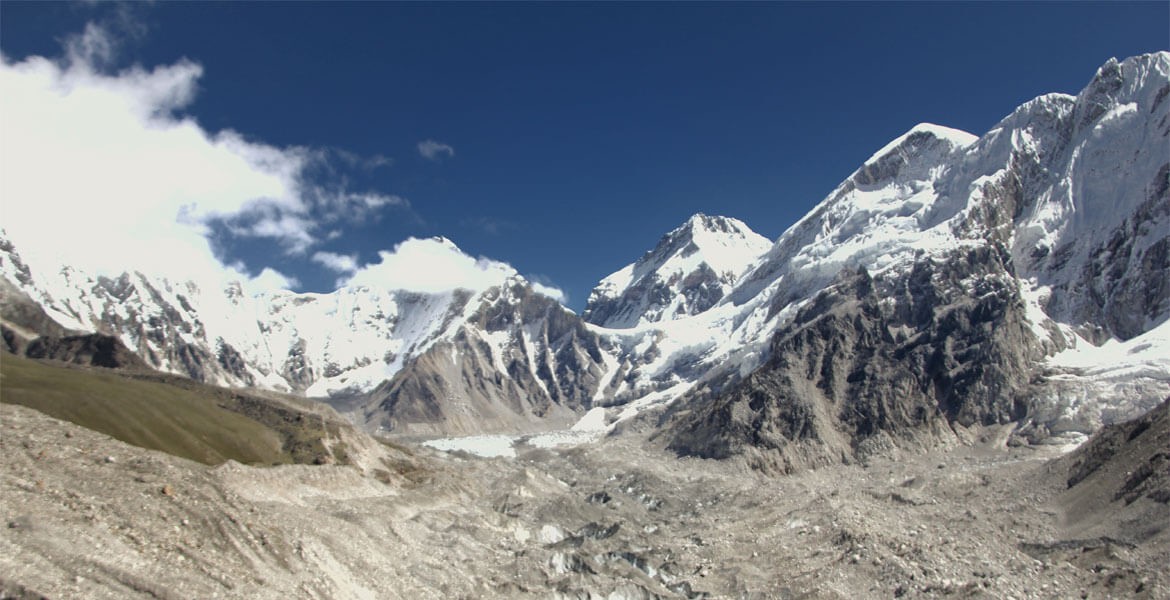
(92, 349)
(521, 363)
(679, 277)
(1131, 459)
(872, 362)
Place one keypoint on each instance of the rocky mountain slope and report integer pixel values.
(690, 270)
(1118, 483)
(518, 362)
(975, 259)
(502, 357)
(950, 279)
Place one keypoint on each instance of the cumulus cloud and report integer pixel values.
(95, 170)
(269, 280)
(432, 150)
(552, 292)
(338, 263)
(430, 266)
(544, 286)
(102, 171)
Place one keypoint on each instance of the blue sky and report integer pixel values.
(565, 139)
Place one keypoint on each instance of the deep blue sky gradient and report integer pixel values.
(583, 131)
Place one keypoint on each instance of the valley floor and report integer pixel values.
(85, 516)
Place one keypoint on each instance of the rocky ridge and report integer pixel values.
(689, 271)
(959, 298)
(514, 358)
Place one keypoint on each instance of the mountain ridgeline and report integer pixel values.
(952, 280)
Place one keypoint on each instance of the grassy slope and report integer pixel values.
(184, 422)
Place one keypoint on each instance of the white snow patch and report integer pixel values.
(1149, 351)
(489, 446)
(591, 427)
(594, 420)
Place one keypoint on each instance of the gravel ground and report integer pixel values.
(85, 516)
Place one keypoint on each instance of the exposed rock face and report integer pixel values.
(689, 271)
(1088, 185)
(987, 254)
(1132, 459)
(92, 349)
(500, 358)
(27, 330)
(165, 330)
(1117, 485)
(1124, 286)
(521, 362)
(23, 320)
(873, 360)
(153, 318)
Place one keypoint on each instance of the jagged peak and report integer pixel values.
(709, 234)
(1132, 68)
(1139, 79)
(704, 252)
(714, 224)
(700, 228)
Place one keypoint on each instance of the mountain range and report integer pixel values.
(951, 280)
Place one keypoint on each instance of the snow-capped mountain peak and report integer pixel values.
(690, 270)
(1047, 235)
(921, 134)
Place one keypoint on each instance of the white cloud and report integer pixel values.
(270, 280)
(100, 171)
(552, 292)
(372, 200)
(430, 266)
(338, 204)
(95, 171)
(289, 229)
(94, 46)
(368, 163)
(377, 161)
(432, 150)
(339, 263)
